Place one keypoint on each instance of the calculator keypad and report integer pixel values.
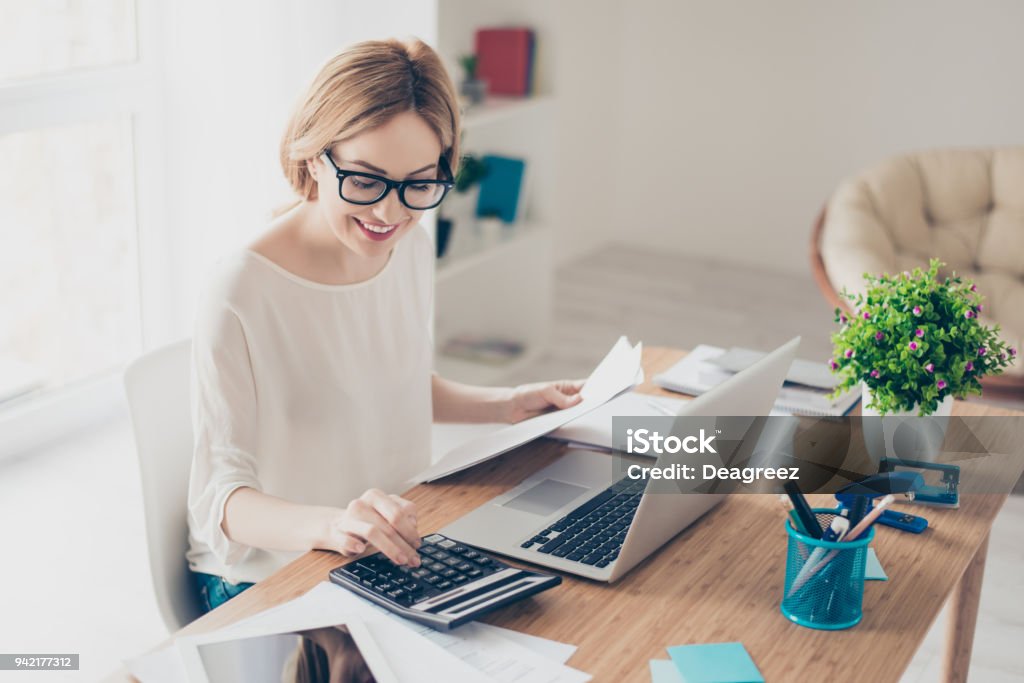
(444, 565)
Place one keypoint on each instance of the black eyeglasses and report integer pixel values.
(360, 188)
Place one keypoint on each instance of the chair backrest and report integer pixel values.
(963, 206)
(157, 385)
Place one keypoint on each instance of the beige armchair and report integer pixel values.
(964, 206)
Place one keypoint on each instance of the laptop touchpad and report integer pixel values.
(546, 497)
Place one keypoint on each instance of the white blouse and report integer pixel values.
(309, 392)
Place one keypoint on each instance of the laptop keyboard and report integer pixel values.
(594, 532)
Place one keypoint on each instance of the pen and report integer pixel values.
(870, 518)
(836, 531)
(807, 516)
(858, 508)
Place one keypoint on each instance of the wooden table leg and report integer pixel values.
(963, 617)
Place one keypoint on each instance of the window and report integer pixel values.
(78, 34)
(68, 254)
(77, 104)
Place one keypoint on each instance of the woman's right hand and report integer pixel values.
(386, 521)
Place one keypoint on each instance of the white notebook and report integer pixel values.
(698, 372)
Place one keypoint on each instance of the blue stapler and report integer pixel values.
(857, 498)
(944, 494)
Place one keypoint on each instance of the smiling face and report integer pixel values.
(404, 148)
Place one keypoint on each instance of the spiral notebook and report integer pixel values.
(805, 392)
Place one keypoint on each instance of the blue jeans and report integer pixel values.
(214, 591)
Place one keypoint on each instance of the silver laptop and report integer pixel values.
(541, 520)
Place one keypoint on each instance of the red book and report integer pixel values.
(504, 59)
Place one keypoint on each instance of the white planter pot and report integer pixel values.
(904, 435)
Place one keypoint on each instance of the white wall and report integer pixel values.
(713, 127)
(741, 117)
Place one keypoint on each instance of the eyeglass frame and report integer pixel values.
(390, 184)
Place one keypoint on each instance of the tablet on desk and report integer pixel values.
(345, 652)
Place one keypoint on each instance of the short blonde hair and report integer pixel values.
(361, 88)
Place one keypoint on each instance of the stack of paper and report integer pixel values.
(805, 392)
(474, 652)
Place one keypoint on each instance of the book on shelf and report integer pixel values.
(505, 60)
(501, 188)
(805, 391)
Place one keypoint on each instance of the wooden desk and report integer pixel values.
(720, 580)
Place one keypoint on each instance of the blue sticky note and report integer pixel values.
(664, 671)
(715, 663)
(874, 571)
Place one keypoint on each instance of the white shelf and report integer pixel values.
(470, 252)
(496, 109)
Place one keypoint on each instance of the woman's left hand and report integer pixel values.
(530, 400)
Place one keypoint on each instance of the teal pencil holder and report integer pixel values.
(824, 580)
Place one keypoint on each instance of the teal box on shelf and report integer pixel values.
(824, 586)
(500, 188)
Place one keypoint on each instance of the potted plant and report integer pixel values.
(471, 171)
(914, 343)
(474, 90)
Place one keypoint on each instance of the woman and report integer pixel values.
(313, 394)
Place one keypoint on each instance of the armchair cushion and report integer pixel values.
(963, 206)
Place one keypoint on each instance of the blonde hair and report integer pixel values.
(361, 88)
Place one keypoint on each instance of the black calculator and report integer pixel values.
(453, 585)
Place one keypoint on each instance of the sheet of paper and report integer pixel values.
(595, 428)
(616, 373)
(446, 436)
(715, 663)
(416, 659)
(552, 649)
(477, 647)
(805, 372)
(664, 671)
(162, 666)
(874, 571)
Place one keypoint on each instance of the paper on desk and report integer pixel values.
(309, 604)
(551, 649)
(417, 659)
(715, 663)
(479, 645)
(475, 652)
(620, 370)
(873, 571)
(665, 671)
(412, 657)
(479, 649)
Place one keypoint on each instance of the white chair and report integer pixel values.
(157, 385)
